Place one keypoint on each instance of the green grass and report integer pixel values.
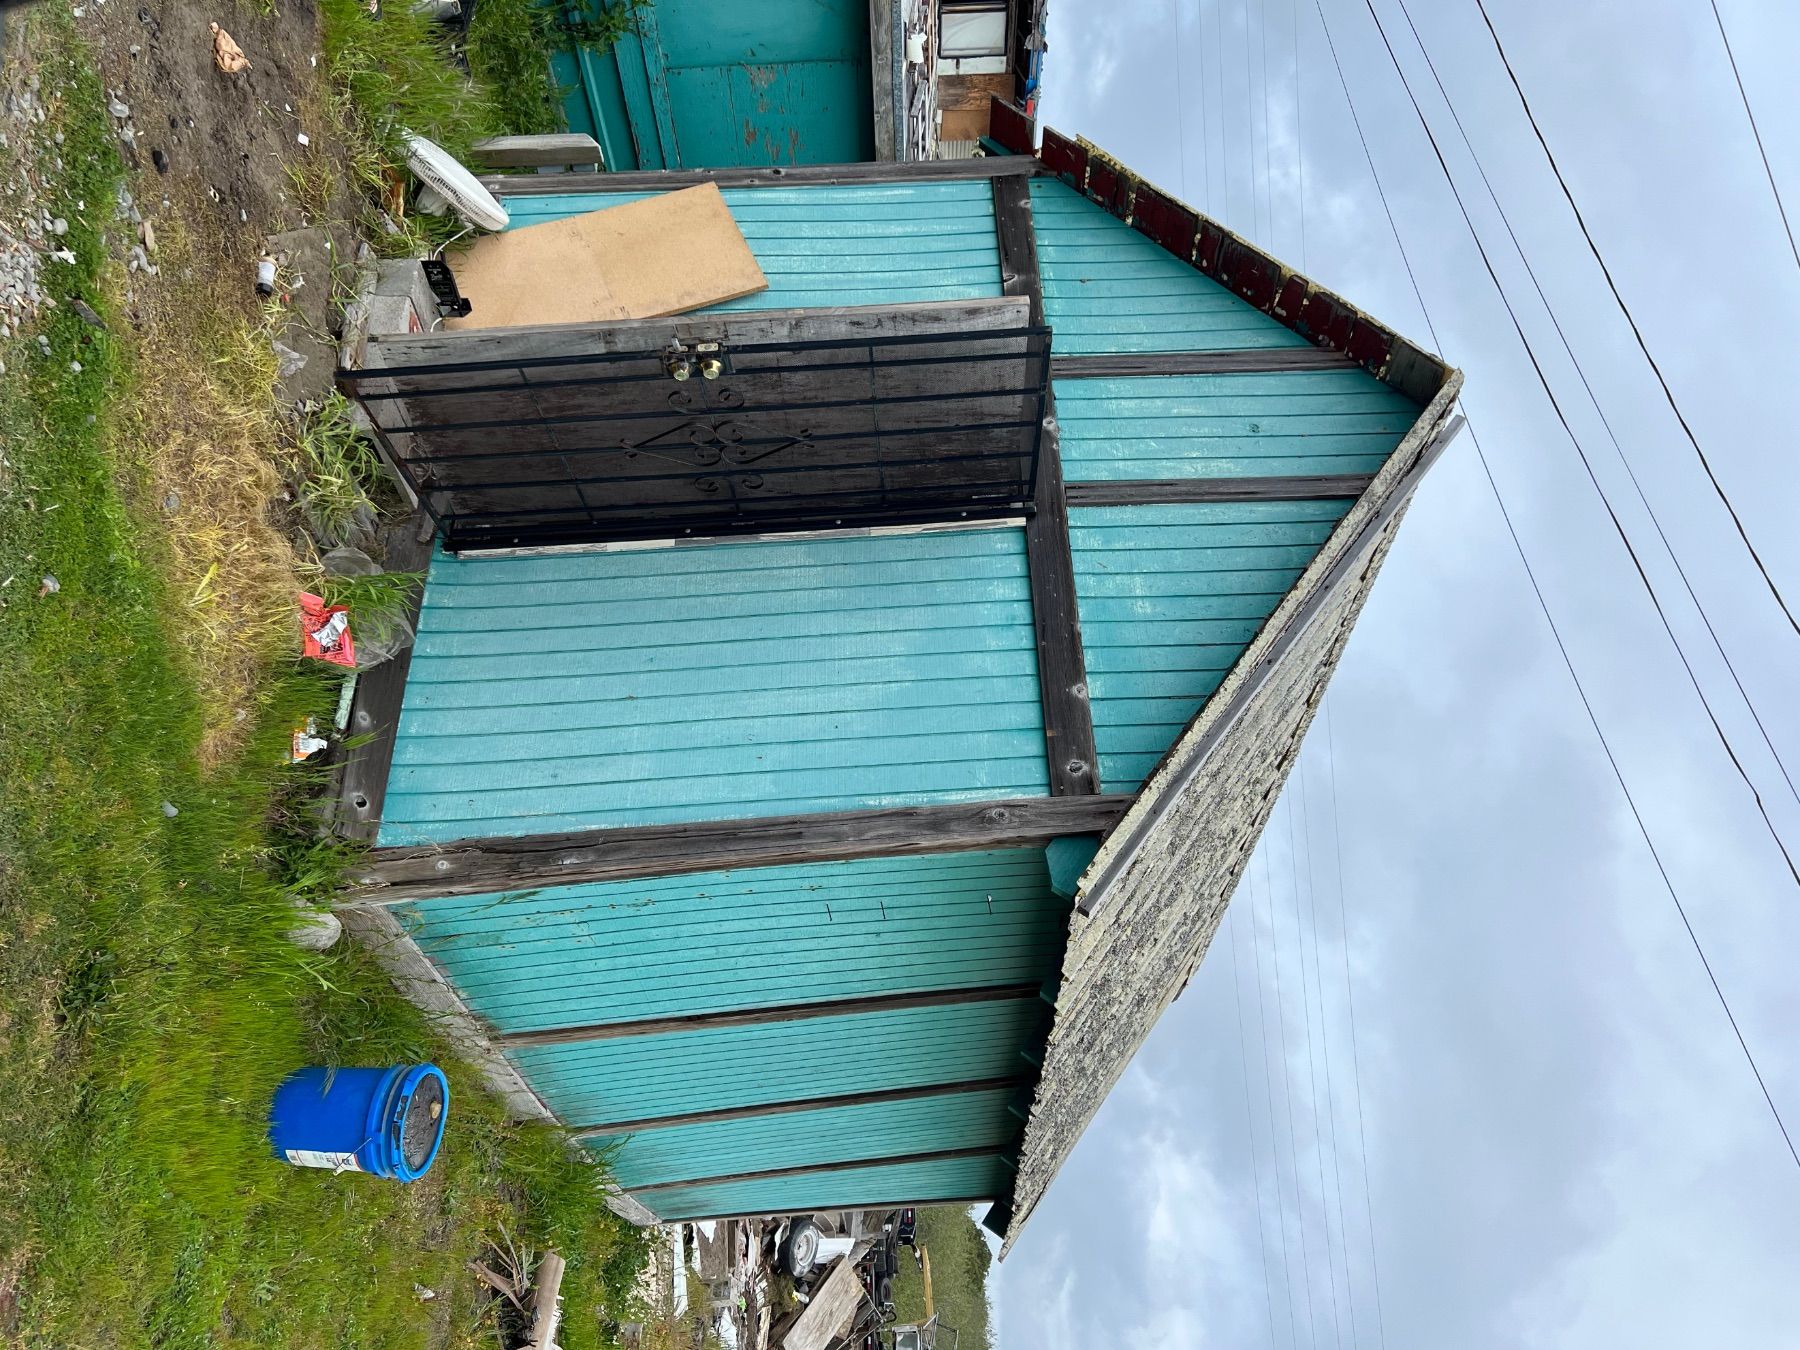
(149, 1002)
(396, 69)
(336, 473)
(960, 1258)
(511, 41)
(509, 48)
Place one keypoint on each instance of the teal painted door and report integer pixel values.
(705, 84)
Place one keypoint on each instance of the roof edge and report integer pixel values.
(1370, 518)
(1318, 314)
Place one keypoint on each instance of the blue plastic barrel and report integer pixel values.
(388, 1122)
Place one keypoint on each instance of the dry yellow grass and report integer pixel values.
(200, 441)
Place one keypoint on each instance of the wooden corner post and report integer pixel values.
(1062, 669)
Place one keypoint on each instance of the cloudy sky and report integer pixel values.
(1564, 1145)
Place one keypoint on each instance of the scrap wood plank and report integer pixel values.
(663, 255)
(531, 152)
(828, 1315)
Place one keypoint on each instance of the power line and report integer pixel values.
(1362, 1134)
(1555, 632)
(1287, 1270)
(1593, 398)
(1756, 131)
(1312, 1067)
(1180, 108)
(1262, 1228)
(1299, 128)
(1312, 902)
(1288, 1091)
(1580, 450)
(1643, 346)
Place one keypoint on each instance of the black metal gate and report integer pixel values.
(713, 425)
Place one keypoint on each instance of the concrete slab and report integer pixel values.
(305, 349)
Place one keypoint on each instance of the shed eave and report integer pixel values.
(1153, 896)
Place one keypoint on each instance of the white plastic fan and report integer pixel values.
(447, 183)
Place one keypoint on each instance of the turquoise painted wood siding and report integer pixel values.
(901, 1183)
(585, 690)
(716, 941)
(1169, 598)
(705, 84)
(845, 1134)
(1229, 426)
(1109, 289)
(638, 1077)
(885, 244)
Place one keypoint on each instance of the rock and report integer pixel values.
(59, 226)
(170, 810)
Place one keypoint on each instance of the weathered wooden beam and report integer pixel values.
(887, 78)
(481, 866)
(810, 1169)
(776, 175)
(552, 150)
(1254, 361)
(375, 706)
(753, 1017)
(1175, 491)
(1062, 668)
(1347, 563)
(789, 1108)
(572, 343)
(874, 1206)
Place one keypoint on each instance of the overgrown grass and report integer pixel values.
(149, 1001)
(335, 473)
(509, 47)
(511, 41)
(959, 1268)
(398, 72)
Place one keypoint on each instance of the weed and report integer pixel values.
(397, 71)
(336, 473)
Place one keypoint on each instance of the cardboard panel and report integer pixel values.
(663, 255)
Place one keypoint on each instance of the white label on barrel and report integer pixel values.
(336, 1162)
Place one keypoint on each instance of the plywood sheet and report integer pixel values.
(828, 1316)
(663, 255)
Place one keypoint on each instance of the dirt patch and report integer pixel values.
(226, 142)
(218, 165)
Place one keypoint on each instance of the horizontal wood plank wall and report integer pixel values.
(849, 1134)
(729, 944)
(474, 866)
(822, 246)
(805, 1106)
(955, 1180)
(764, 1014)
(925, 1047)
(1170, 597)
(1312, 423)
(597, 689)
(1108, 290)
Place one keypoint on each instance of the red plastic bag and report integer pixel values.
(325, 631)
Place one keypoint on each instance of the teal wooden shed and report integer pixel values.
(696, 83)
(809, 784)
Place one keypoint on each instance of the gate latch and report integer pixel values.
(681, 362)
